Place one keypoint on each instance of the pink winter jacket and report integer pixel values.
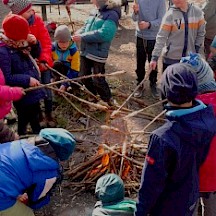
(7, 95)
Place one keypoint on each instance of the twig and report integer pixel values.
(78, 110)
(75, 79)
(130, 159)
(114, 113)
(98, 106)
(149, 124)
(82, 87)
(141, 110)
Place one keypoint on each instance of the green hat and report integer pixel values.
(110, 189)
(62, 141)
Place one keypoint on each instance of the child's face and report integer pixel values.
(180, 3)
(63, 45)
(28, 13)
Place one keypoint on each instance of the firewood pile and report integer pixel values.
(114, 153)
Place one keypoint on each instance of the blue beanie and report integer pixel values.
(110, 189)
(179, 84)
(204, 73)
(62, 141)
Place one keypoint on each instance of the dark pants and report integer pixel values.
(45, 79)
(96, 85)
(207, 45)
(144, 52)
(28, 114)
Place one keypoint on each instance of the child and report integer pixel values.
(39, 30)
(110, 194)
(95, 38)
(209, 11)
(148, 15)
(30, 169)
(177, 149)
(204, 73)
(7, 95)
(65, 55)
(20, 69)
(182, 31)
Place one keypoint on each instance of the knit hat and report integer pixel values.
(62, 141)
(204, 73)
(15, 27)
(110, 189)
(179, 84)
(62, 34)
(18, 6)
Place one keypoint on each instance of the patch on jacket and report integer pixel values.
(150, 160)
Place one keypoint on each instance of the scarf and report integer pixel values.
(21, 45)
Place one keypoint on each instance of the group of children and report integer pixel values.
(27, 54)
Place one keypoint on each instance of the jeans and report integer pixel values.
(96, 85)
(45, 79)
(144, 51)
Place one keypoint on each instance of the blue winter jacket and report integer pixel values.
(18, 68)
(99, 30)
(170, 181)
(24, 166)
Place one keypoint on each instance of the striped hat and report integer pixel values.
(18, 6)
(204, 73)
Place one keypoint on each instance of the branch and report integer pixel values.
(75, 79)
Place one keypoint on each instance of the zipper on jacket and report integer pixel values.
(184, 52)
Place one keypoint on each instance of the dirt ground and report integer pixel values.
(121, 57)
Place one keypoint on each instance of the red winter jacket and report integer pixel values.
(7, 95)
(39, 30)
(208, 169)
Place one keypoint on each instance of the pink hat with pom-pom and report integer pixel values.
(18, 6)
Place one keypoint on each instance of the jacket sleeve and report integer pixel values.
(11, 79)
(36, 50)
(8, 93)
(165, 29)
(209, 9)
(155, 171)
(6, 134)
(161, 11)
(104, 34)
(75, 60)
(45, 41)
(199, 41)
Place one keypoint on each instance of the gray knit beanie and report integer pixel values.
(18, 6)
(62, 34)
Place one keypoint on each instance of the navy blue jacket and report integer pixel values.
(24, 166)
(170, 181)
(18, 68)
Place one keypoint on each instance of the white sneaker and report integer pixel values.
(139, 92)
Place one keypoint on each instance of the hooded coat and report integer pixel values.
(170, 180)
(99, 30)
(19, 156)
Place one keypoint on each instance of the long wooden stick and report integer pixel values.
(149, 124)
(78, 110)
(97, 106)
(126, 157)
(141, 110)
(114, 113)
(82, 87)
(75, 79)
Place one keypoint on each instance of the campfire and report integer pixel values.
(115, 154)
